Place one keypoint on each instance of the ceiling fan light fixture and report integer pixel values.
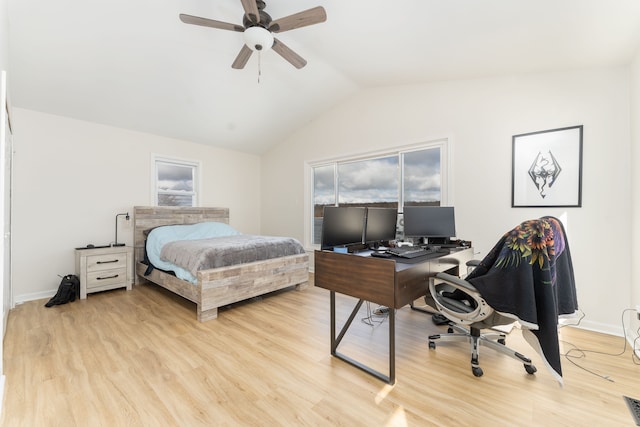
(258, 38)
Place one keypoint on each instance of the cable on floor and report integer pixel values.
(581, 353)
(375, 317)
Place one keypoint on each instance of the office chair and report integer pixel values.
(462, 304)
(527, 276)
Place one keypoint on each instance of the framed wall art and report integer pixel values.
(547, 168)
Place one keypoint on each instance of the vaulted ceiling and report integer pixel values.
(135, 65)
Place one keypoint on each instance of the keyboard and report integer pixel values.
(408, 252)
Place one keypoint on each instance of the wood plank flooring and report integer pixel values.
(140, 358)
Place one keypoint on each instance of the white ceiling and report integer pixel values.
(134, 65)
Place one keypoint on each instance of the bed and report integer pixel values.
(214, 287)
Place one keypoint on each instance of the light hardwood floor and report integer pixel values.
(140, 358)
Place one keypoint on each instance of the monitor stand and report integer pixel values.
(438, 241)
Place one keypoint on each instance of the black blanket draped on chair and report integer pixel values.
(528, 276)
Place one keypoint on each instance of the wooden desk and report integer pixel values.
(388, 282)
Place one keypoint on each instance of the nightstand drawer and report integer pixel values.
(106, 262)
(106, 277)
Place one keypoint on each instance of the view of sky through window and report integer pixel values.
(323, 185)
(377, 180)
(175, 184)
(175, 177)
(368, 181)
(422, 178)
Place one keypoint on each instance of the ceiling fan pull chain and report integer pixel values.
(259, 65)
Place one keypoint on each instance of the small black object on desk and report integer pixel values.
(92, 246)
(381, 254)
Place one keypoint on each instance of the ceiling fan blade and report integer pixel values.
(242, 58)
(251, 9)
(297, 20)
(292, 57)
(205, 22)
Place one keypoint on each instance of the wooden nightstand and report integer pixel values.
(101, 269)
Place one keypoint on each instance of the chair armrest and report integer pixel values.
(457, 282)
(454, 310)
(473, 263)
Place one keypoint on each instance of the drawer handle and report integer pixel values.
(108, 277)
(107, 262)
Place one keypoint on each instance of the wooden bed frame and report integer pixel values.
(219, 286)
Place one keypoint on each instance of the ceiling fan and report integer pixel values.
(258, 29)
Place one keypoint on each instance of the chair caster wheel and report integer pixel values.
(502, 341)
(530, 369)
(449, 330)
(432, 345)
(477, 371)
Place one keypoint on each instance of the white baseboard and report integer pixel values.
(604, 328)
(19, 299)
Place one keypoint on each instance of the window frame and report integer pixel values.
(446, 174)
(196, 167)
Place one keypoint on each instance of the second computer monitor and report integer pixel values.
(342, 226)
(434, 223)
(381, 225)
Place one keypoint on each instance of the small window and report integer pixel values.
(175, 182)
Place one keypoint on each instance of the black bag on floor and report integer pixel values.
(68, 291)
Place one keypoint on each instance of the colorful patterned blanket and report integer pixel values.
(528, 276)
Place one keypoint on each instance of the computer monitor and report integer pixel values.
(381, 225)
(435, 223)
(342, 226)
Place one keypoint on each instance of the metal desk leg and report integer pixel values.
(335, 341)
(392, 346)
(423, 310)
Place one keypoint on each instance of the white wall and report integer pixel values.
(635, 185)
(480, 117)
(4, 35)
(5, 271)
(73, 177)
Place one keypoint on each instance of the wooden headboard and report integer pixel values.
(147, 217)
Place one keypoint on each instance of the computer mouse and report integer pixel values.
(91, 245)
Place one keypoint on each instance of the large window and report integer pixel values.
(412, 177)
(175, 182)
